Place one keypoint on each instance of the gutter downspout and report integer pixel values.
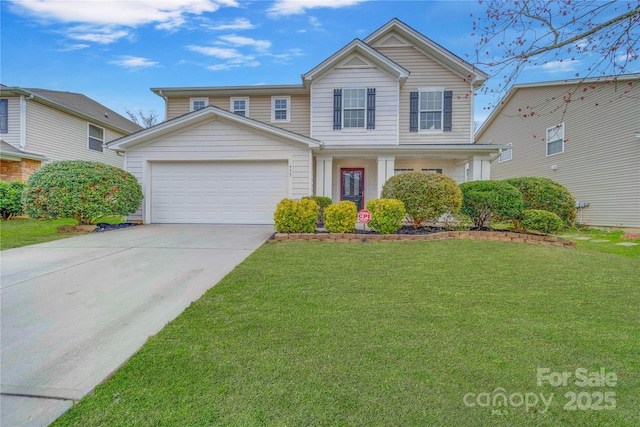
(166, 104)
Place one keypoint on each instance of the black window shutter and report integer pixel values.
(413, 112)
(4, 115)
(371, 108)
(448, 109)
(337, 108)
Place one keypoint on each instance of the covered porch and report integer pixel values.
(358, 173)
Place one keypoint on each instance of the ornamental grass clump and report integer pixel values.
(85, 191)
(386, 215)
(341, 217)
(426, 196)
(296, 216)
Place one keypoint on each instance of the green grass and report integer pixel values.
(20, 232)
(611, 247)
(386, 334)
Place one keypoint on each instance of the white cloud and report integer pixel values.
(72, 47)
(103, 35)
(134, 62)
(246, 41)
(558, 66)
(297, 7)
(217, 52)
(237, 24)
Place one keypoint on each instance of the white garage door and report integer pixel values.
(217, 192)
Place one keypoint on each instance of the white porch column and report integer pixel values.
(479, 168)
(324, 166)
(386, 166)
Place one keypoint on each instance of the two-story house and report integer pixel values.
(39, 125)
(584, 134)
(393, 102)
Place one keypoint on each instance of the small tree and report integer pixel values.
(11, 198)
(82, 190)
(142, 119)
(484, 201)
(426, 196)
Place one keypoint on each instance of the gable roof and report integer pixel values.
(78, 105)
(430, 48)
(363, 49)
(9, 152)
(202, 115)
(515, 88)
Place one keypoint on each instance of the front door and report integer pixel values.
(352, 186)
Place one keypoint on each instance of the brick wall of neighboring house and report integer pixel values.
(18, 170)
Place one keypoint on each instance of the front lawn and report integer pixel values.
(605, 241)
(381, 334)
(20, 232)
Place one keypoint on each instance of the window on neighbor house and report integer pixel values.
(4, 115)
(280, 108)
(555, 140)
(96, 138)
(240, 106)
(199, 103)
(432, 170)
(505, 154)
(401, 170)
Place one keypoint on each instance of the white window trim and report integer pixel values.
(273, 109)
(546, 136)
(104, 135)
(432, 170)
(246, 104)
(506, 150)
(194, 100)
(431, 89)
(354, 129)
(397, 171)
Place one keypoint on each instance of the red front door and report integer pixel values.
(352, 185)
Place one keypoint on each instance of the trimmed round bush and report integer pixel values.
(11, 198)
(386, 215)
(341, 217)
(426, 196)
(484, 201)
(82, 190)
(546, 194)
(296, 216)
(540, 220)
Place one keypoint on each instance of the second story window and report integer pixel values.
(280, 108)
(240, 106)
(4, 116)
(431, 110)
(555, 140)
(96, 138)
(198, 103)
(353, 108)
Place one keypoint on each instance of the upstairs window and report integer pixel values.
(240, 106)
(354, 108)
(4, 116)
(198, 103)
(96, 138)
(431, 110)
(555, 140)
(280, 108)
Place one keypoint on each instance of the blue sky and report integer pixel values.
(114, 51)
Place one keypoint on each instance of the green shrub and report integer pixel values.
(296, 216)
(323, 202)
(11, 198)
(484, 201)
(544, 221)
(386, 215)
(426, 196)
(546, 194)
(341, 217)
(82, 190)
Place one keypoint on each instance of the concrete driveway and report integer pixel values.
(74, 310)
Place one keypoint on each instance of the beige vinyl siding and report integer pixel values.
(218, 140)
(601, 160)
(386, 129)
(259, 109)
(425, 72)
(13, 121)
(60, 136)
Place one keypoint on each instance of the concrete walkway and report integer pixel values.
(74, 310)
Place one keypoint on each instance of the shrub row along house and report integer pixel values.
(38, 125)
(392, 102)
(584, 134)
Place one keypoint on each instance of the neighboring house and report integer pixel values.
(40, 125)
(583, 134)
(393, 102)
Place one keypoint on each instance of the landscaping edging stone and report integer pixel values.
(77, 228)
(497, 236)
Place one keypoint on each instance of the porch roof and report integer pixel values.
(428, 150)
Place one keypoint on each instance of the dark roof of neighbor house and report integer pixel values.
(78, 104)
(10, 152)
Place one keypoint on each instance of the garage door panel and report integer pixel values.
(217, 192)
